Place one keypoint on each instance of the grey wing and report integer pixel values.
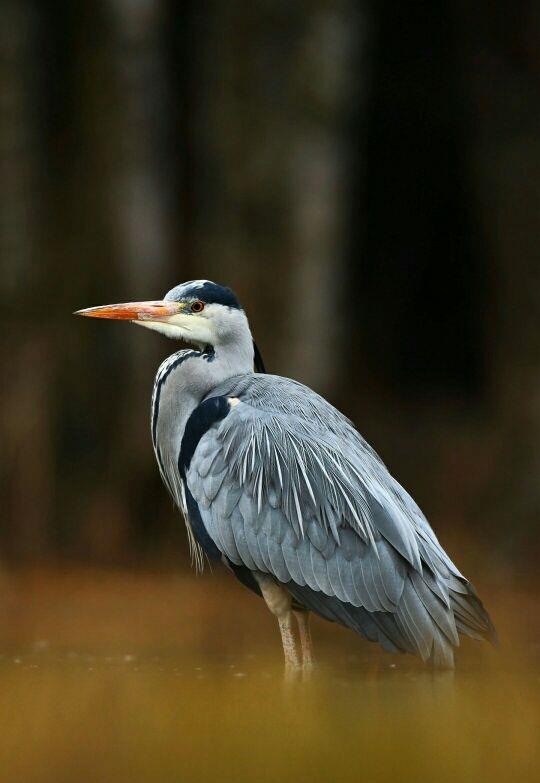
(286, 486)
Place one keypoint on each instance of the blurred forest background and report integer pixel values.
(365, 175)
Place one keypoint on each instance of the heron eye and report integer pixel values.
(197, 307)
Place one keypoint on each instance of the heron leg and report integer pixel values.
(279, 601)
(302, 618)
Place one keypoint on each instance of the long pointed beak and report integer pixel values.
(133, 311)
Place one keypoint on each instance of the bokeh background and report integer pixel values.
(366, 176)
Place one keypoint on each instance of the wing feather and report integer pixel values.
(253, 542)
(239, 526)
(320, 571)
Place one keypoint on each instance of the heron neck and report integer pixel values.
(184, 380)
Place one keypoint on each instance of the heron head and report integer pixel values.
(198, 312)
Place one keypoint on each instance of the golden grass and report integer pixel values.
(117, 677)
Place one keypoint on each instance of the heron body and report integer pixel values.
(279, 486)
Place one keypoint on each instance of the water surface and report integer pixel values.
(130, 678)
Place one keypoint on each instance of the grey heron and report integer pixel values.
(279, 486)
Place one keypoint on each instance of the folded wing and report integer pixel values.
(285, 485)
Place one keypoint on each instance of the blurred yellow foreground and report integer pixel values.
(116, 677)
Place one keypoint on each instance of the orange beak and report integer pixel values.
(133, 311)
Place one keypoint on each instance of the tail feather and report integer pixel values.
(428, 620)
(474, 620)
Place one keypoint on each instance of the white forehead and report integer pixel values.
(198, 283)
(205, 290)
(191, 287)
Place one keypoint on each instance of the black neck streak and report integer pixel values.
(160, 380)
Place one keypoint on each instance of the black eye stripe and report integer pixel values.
(206, 292)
